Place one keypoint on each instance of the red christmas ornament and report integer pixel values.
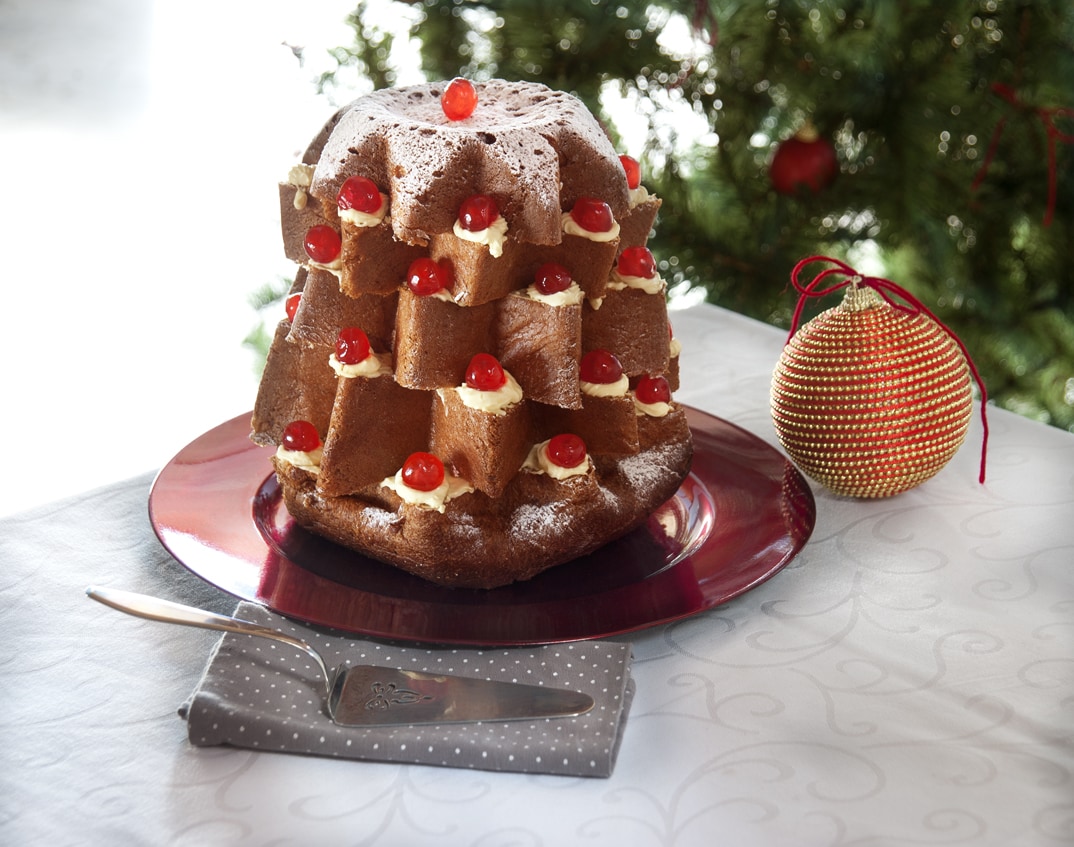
(804, 161)
(872, 397)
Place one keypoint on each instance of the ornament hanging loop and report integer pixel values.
(859, 297)
(841, 275)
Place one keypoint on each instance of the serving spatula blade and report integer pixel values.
(367, 695)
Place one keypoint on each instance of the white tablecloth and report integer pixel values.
(907, 680)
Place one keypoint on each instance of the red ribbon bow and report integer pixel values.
(888, 290)
(1047, 119)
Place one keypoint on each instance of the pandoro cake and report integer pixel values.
(473, 380)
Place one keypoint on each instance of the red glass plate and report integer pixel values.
(740, 517)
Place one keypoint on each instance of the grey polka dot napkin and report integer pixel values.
(263, 695)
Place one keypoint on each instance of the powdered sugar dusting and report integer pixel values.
(377, 518)
(536, 522)
(647, 469)
(533, 520)
(518, 146)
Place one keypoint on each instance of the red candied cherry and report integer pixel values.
(423, 471)
(359, 193)
(459, 99)
(592, 215)
(484, 373)
(653, 389)
(323, 244)
(301, 437)
(636, 261)
(566, 450)
(352, 345)
(478, 212)
(426, 276)
(633, 171)
(600, 367)
(552, 278)
(290, 305)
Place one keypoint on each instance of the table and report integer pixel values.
(907, 679)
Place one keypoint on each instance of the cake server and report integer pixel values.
(369, 695)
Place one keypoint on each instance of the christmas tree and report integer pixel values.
(929, 144)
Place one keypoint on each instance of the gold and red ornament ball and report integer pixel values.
(874, 396)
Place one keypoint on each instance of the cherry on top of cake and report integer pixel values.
(533, 149)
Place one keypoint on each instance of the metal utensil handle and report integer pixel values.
(165, 611)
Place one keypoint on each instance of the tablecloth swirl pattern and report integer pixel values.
(267, 696)
(906, 681)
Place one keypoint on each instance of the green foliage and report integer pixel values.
(264, 300)
(566, 44)
(905, 89)
(368, 54)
